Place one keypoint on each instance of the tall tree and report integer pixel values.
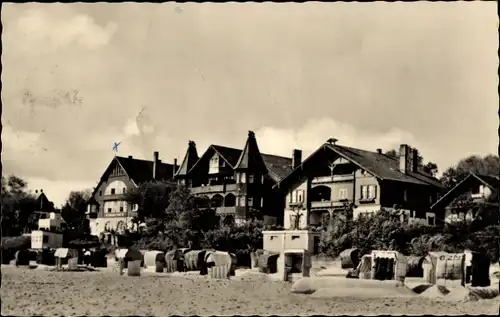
(487, 165)
(73, 211)
(152, 199)
(429, 167)
(17, 205)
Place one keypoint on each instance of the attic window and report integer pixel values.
(100, 193)
(112, 191)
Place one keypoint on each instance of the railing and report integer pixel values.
(328, 203)
(235, 211)
(214, 189)
(331, 179)
(114, 197)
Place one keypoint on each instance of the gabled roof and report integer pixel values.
(43, 203)
(492, 182)
(189, 160)
(381, 166)
(277, 166)
(139, 171)
(250, 157)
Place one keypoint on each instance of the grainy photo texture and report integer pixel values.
(250, 159)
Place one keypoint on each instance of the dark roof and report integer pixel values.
(251, 157)
(189, 160)
(141, 171)
(278, 167)
(490, 181)
(380, 165)
(43, 203)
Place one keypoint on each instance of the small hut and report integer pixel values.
(66, 256)
(254, 258)
(388, 265)
(46, 257)
(220, 264)
(349, 258)
(268, 262)
(477, 267)
(131, 259)
(155, 259)
(24, 257)
(174, 261)
(444, 268)
(415, 266)
(365, 267)
(194, 260)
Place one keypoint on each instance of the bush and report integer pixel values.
(384, 231)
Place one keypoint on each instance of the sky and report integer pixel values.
(79, 77)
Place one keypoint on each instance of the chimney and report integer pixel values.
(296, 158)
(175, 166)
(331, 141)
(130, 156)
(414, 158)
(403, 158)
(155, 163)
(379, 151)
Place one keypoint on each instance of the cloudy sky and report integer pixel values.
(78, 77)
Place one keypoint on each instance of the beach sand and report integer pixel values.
(27, 292)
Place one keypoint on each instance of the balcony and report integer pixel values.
(328, 204)
(114, 197)
(332, 179)
(209, 189)
(237, 212)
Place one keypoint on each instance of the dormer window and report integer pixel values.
(241, 178)
(214, 164)
(113, 191)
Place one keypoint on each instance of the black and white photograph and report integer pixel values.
(315, 158)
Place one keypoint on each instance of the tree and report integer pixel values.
(429, 167)
(487, 165)
(17, 205)
(152, 199)
(73, 211)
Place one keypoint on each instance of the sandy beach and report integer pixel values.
(39, 292)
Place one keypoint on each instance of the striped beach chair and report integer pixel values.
(220, 271)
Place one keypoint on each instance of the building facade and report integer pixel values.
(335, 177)
(474, 194)
(239, 183)
(108, 208)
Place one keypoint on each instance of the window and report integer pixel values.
(250, 178)
(372, 191)
(405, 195)
(124, 190)
(430, 221)
(100, 193)
(412, 214)
(112, 191)
(300, 196)
(261, 201)
(262, 179)
(250, 201)
(109, 209)
(242, 201)
(243, 178)
(343, 193)
(45, 239)
(214, 165)
(364, 192)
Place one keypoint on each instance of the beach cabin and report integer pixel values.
(130, 259)
(221, 265)
(388, 265)
(66, 256)
(415, 266)
(444, 268)
(477, 268)
(154, 259)
(349, 258)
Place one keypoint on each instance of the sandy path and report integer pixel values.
(27, 292)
